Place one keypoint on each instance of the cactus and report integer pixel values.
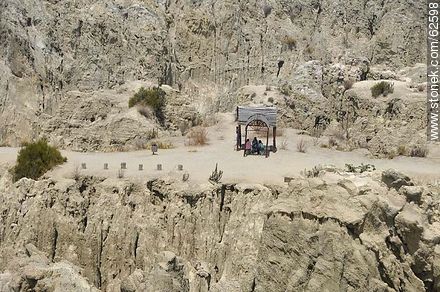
(216, 175)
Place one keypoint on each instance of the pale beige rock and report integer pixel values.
(318, 234)
(62, 64)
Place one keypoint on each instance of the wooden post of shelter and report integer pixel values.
(274, 134)
(245, 135)
(267, 142)
(238, 137)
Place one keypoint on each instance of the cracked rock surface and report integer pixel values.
(335, 232)
(65, 61)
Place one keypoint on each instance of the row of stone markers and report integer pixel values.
(124, 166)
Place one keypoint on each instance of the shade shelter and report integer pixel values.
(259, 119)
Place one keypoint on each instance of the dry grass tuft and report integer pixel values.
(161, 144)
(338, 134)
(284, 145)
(391, 155)
(402, 150)
(290, 41)
(75, 173)
(197, 136)
(348, 84)
(332, 142)
(121, 173)
(209, 120)
(301, 146)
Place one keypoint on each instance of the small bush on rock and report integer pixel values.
(290, 41)
(314, 172)
(35, 159)
(153, 98)
(390, 154)
(382, 88)
(419, 151)
(360, 169)
(76, 174)
(286, 89)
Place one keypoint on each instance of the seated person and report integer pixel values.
(260, 147)
(255, 146)
(247, 147)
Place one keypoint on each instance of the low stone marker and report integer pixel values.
(83, 166)
(154, 148)
(180, 167)
(123, 165)
(159, 167)
(105, 166)
(141, 167)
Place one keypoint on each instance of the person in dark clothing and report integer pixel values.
(255, 145)
(260, 147)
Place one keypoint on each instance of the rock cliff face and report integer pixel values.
(336, 232)
(206, 49)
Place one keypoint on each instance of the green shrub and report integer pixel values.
(35, 159)
(150, 97)
(382, 88)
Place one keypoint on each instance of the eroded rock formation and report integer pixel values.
(336, 232)
(51, 51)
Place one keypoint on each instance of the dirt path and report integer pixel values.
(199, 162)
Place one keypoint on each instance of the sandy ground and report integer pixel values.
(199, 162)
